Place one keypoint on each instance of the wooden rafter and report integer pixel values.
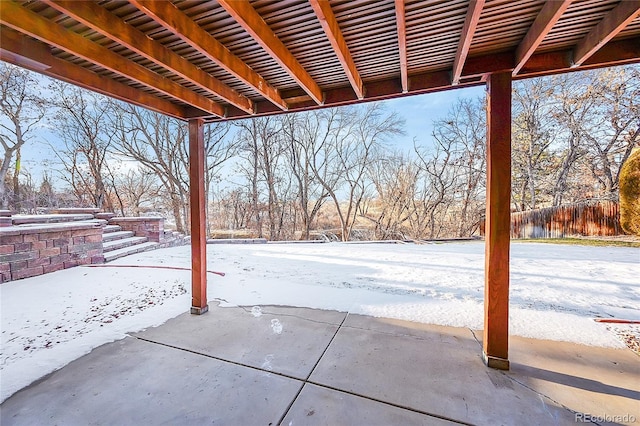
(468, 30)
(31, 54)
(614, 22)
(546, 19)
(401, 26)
(174, 20)
(26, 21)
(253, 23)
(109, 25)
(327, 19)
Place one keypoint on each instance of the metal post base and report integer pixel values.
(199, 311)
(494, 362)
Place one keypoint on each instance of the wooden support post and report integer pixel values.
(198, 220)
(495, 345)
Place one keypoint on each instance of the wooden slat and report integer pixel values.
(332, 30)
(174, 20)
(546, 19)
(197, 202)
(23, 20)
(253, 23)
(109, 25)
(468, 30)
(401, 26)
(495, 344)
(23, 51)
(614, 22)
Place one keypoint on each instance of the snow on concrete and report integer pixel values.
(556, 291)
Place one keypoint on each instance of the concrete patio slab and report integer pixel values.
(435, 370)
(285, 340)
(132, 382)
(233, 367)
(320, 406)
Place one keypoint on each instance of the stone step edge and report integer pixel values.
(126, 251)
(116, 235)
(125, 242)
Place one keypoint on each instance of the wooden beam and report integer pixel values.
(546, 19)
(23, 20)
(495, 344)
(374, 91)
(401, 25)
(102, 21)
(31, 54)
(468, 30)
(198, 218)
(329, 24)
(614, 53)
(614, 22)
(173, 19)
(253, 23)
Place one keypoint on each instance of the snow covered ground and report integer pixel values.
(556, 292)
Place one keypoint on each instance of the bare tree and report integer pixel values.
(306, 134)
(396, 179)
(160, 144)
(81, 121)
(615, 124)
(533, 134)
(437, 177)
(354, 143)
(462, 135)
(263, 149)
(23, 108)
(46, 193)
(231, 210)
(572, 111)
(138, 190)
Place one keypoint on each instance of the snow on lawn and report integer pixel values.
(556, 291)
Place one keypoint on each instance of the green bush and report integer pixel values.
(630, 194)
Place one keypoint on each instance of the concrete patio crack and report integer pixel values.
(312, 370)
(540, 395)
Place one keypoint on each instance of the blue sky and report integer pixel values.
(421, 111)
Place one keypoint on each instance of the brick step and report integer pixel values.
(111, 228)
(126, 251)
(126, 242)
(116, 235)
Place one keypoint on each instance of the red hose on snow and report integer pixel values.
(616, 321)
(177, 268)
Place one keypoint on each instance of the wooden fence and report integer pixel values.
(587, 219)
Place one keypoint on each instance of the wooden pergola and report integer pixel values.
(210, 60)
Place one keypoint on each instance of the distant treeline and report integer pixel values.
(291, 176)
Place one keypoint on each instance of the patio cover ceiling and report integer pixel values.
(216, 59)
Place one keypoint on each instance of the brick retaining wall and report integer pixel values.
(27, 251)
(40, 246)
